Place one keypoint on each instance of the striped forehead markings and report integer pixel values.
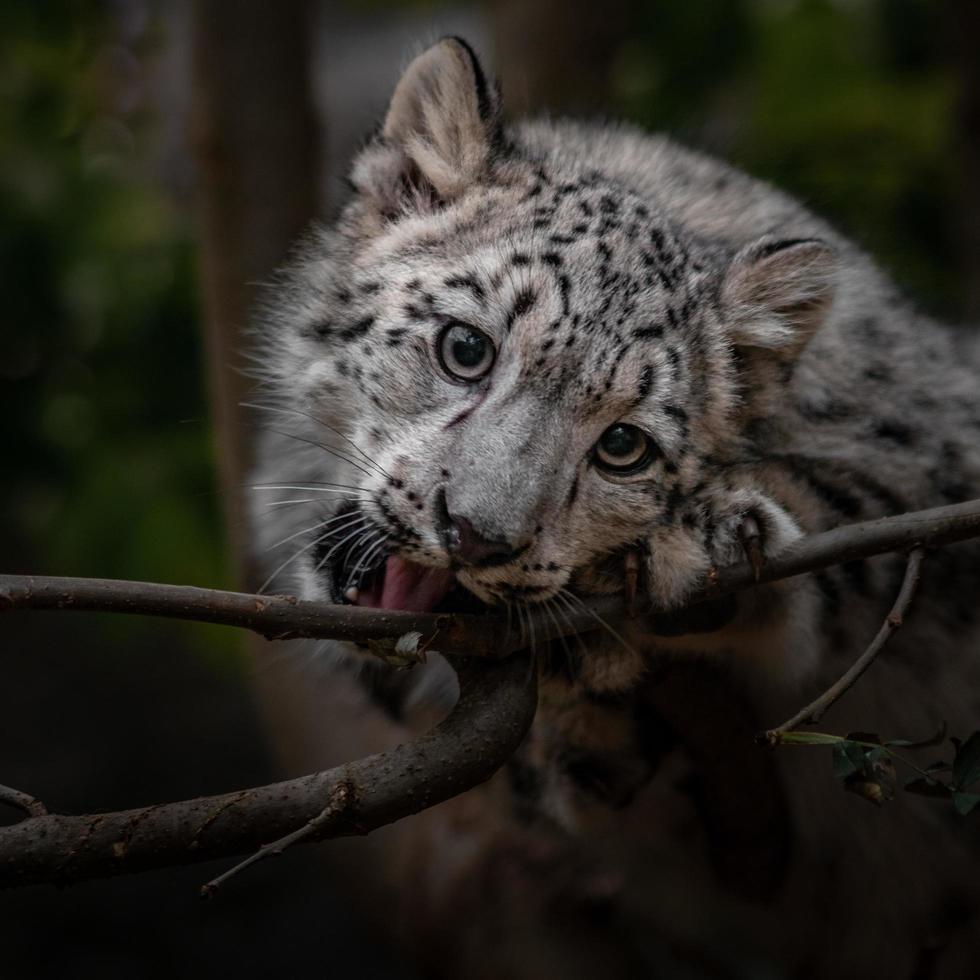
(467, 281)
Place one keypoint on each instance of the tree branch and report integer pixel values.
(816, 709)
(494, 711)
(321, 824)
(276, 617)
(22, 801)
(933, 528)
(285, 617)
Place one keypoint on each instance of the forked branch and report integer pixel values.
(494, 712)
(22, 801)
(816, 709)
(320, 825)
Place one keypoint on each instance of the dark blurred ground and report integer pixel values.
(856, 106)
(95, 721)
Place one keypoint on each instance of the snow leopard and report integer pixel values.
(534, 362)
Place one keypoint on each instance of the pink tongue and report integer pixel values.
(408, 586)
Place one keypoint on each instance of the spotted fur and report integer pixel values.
(778, 374)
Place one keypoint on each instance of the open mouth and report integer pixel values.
(390, 581)
(401, 584)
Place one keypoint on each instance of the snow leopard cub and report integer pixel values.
(537, 349)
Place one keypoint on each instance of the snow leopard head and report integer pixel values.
(507, 367)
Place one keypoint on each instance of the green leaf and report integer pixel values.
(849, 758)
(922, 743)
(966, 765)
(965, 802)
(873, 737)
(927, 787)
(810, 738)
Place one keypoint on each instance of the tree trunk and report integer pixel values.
(557, 55)
(257, 150)
(256, 147)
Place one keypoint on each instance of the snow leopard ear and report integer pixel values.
(777, 292)
(438, 135)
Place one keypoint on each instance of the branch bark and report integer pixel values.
(22, 801)
(817, 708)
(284, 617)
(321, 824)
(933, 528)
(494, 711)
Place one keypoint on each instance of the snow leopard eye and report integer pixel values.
(465, 352)
(622, 449)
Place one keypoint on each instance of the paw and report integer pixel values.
(749, 526)
(677, 561)
(730, 526)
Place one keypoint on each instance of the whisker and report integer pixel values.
(616, 636)
(310, 487)
(306, 548)
(365, 537)
(333, 450)
(551, 609)
(370, 539)
(326, 425)
(290, 560)
(519, 609)
(566, 611)
(316, 527)
(366, 559)
(340, 544)
(530, 622)
(295, 534)
(520, 623)
(569, 609)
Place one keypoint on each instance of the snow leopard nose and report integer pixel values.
(470, 547)
(467, 545)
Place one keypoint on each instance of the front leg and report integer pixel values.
(659, 572)
(720, 527)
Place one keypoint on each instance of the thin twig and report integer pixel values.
(340, 796)
(493, 714)
(816, 709)
(24, 802)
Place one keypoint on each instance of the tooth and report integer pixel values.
(351, 594)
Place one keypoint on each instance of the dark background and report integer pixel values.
(155, 160)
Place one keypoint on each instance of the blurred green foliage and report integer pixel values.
(846, 103)
(101, 390)
(106, 453)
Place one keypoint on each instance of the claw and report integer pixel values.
(631, 569)
(752, 543)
